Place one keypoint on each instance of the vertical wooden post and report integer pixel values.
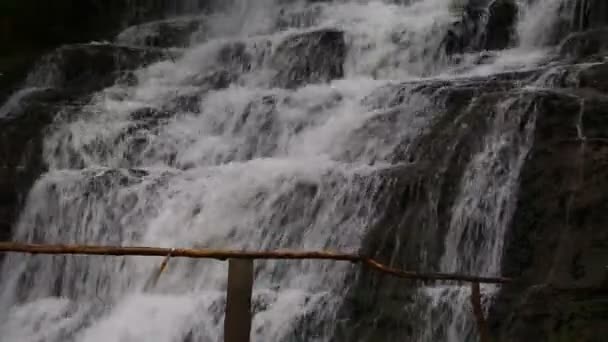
(482, 328)
(237, 323)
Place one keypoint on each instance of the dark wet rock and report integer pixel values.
(305, 17)
(259, 116)
(236, 57)
(400, 196)
(65, 21)
(171, 8)
(500, 26)
(98, 182)
(484, 25)
(589, 14)
(585, 44)
(416, 201)
(577, 16)
(135, 136)
(213, 80)
(13, 71)
(311, 57)
(21, 133)
(441, 90)
(26, 101)
(594, 76)
(443, 99)
(204, 83)
(61, 22)
(558, 239)
(166, 33)
(148, 117)
(190, 103)
(552, 314)
(89, 67)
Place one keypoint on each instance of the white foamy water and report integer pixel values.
(252, 166)
(537, 23)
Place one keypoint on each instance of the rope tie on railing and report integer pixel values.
(153, 280)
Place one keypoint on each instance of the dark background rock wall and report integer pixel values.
(35, 23)
(29, 28)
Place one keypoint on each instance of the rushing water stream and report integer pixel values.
(271, 159)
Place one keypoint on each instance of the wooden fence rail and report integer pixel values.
(240, 274)
(235, 254)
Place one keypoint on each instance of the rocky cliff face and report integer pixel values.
(557, 239)
(496, 168)
(31, 28)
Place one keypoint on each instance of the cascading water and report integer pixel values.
(230, 146)
(480, 216)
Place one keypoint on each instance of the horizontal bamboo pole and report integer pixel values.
(235, 254)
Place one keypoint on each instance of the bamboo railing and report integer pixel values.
(240, 274)
(235, 254)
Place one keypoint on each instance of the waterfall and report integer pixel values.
(279, 127)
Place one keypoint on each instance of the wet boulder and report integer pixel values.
(500, 26)
(594, 76)
(311, 57)
(236, 56)
(465, 33)
(482, 26)
(166, 33)
(551, 314)
(172, 8)
(557, 246)
(577, 16)
(585, 44)
(589, 14)
(573, 128)
(300, 18)
(89, 67)
(191, 102)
